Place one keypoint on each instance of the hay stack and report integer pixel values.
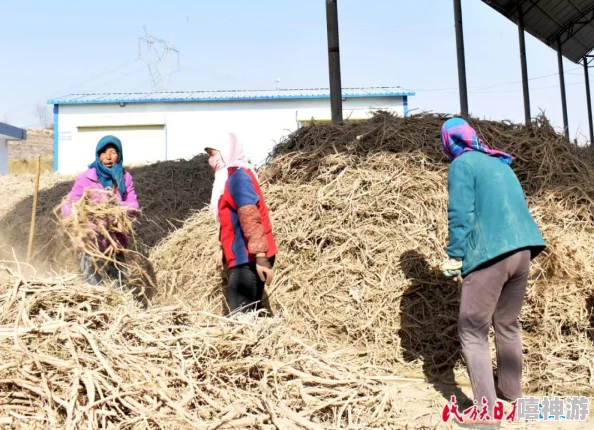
(74, 356)
(361, 227)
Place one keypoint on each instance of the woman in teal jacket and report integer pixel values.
(492, 239)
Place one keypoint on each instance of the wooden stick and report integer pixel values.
(34, 210)
(364, 135)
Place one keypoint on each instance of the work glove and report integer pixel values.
(264, 269)
(451, 268)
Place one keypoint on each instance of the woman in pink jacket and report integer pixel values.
(105, 173)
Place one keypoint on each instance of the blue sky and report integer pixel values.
(60, 47)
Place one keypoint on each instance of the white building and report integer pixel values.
(8, 132)
(173, 125)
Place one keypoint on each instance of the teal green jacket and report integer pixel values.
(487, 212)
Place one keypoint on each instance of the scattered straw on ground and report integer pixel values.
(75, 356)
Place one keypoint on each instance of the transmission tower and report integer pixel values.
(158, 60)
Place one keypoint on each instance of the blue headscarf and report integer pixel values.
(107, 176)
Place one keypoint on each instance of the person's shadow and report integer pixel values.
(428, 324)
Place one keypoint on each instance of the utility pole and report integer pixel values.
(334, 61)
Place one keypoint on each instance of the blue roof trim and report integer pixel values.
(12, 131)
(74, 99)
(221, 99)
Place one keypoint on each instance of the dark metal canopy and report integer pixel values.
(569, 22)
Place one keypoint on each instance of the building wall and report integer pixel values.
(3, 156)
(185, 127)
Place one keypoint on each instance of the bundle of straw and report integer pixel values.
(96, 224)
(102, 228)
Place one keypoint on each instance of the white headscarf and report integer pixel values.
(233, 155)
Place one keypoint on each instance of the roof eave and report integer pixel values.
(12, 132)
(225, 99)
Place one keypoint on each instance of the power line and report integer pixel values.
(93, 78)
(226, 76)
(83, 82)
(489, 86)
(532, 89)
(117, 78)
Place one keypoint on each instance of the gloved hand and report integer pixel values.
(264, 269)
(451, 268)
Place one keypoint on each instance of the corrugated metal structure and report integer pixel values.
(233, 95)
(567, 26)
(569, 21)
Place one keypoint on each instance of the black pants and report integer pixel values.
(245, 289)
(108, 272)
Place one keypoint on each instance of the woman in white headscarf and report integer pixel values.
(248, 248)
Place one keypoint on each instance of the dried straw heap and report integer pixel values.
(359, 213)
(74, 356)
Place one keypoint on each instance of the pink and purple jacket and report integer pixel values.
(88, 180)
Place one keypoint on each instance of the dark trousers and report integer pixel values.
(494, 293)
(245, 288)
(99, 272)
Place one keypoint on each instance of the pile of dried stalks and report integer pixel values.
(75, 356)
(361, 225)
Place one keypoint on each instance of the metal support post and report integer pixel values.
(525, 88)
(334, 61)
(589, 99)
(562, 84)
(461, 60)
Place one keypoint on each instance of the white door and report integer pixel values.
(140, 143)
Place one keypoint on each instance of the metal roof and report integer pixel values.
(12, 132)
(569, 20)
(233, 95)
